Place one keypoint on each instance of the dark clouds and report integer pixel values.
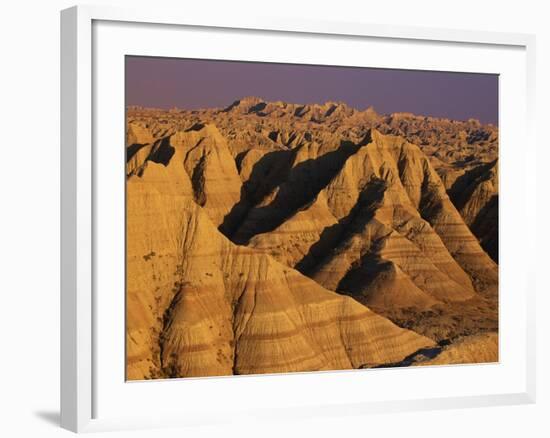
(193, 84)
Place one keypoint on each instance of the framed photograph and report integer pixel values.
(280, 218)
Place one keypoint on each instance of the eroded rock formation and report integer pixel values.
(273, 237)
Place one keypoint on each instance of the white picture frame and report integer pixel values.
(80, 166)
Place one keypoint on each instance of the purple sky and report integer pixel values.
(193, 84)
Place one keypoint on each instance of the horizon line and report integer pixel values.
(341, 102)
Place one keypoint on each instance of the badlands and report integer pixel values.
(270, 237)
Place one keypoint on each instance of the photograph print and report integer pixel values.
(294, 218)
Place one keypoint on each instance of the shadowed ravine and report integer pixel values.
(311, 176)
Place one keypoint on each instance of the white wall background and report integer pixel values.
(29, 219)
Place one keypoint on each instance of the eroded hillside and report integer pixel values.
(273, 237)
